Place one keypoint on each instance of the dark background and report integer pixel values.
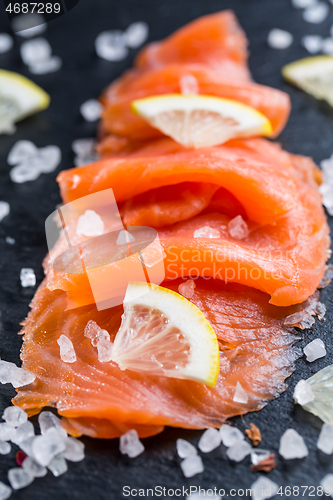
(104, 471)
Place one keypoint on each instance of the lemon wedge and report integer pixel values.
(19, 97)
(200, 120)
(314, 75)
(162, 333)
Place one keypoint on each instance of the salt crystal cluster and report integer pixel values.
(240, 395)
(31, 161)
(27, 277)
(187, 289)
(101, 339)
(326, 189)
(264, 488)
(238, 229)
(67, 353)
(303, 393)
(12, 374)
(230, 435)
(192, 466)
(4, 209)
(130, 444)
(305, 318)
(91, 110)
(37, 55)
(279, 39)
(292, 445)
(34, 468)
(6, 42)
(206, 232)
(185, 449)
(325, 439)
(315, 350)
(85, 151)
(90, 224)
(14, 416)
(209, 440)
(316, 13)
(113, 45)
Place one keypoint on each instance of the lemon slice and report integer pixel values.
(201, 120)
(19, 97)
(314, 75)
(164, 334)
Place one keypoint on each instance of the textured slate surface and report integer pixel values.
(104, 472)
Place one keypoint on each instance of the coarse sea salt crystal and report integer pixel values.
(136, 34)
(23, 432)
(34, 468)
(312, 43)
(130, 444)
(6, 42)
(192, 466)
(315, 350)
(239, 451)
(9, 240)
(187, 289)
(185, 449)
(209, 440)
(259, 455)
(302, 4)
(327, 46)
(91, 110)
(26, 446)
(90, 224)
(47, 446)
(279, 39)
(230, 435)
(124, 237)
(36, 50)
(29, 25)
(206, 232)
(19, 478)
(316, 13)
(45, 160)
(303, 393)
(93, 332)
(327, 484)
(292, 445)
(58, 466)
(54, 63)
(47, 420)
(4, 209)
(189, 85)
(67, 353)
(14, 416)
(74, 451)
(84, 147)
(325, 439)
(110, 45)
(238, 229)
(264, 488)
(23, 173)
(5, 448)
(104, 349)
(10, 373)
(21, 151)
(27, 277)
(5, 491)
(7, 432)
(240, 395)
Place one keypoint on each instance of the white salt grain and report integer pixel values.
(7, 432)
(23, 432)
(240, 395)
(9, 240)
(187, 289)
(91, 110)
(315, 350)
(327, 484)
(26, 445)
(325, 440)
(303, 393)
(104, 349)
(317, 13)
(6, 42)
(258, 455)
(136, 34)
(22, 173)
(47, 446)
(46, 160)
(44, 67)
(34, 468)
(21, 151)
(58, 466)
(239, 451)
(4, 209)
(264, 488)
(74, 451)
(110, 45)
(185, 449)
(279, 39)
(238, 229)
(90, 224)
(19, 478)
(130, 444)
(27, 277)
(5, 448)
(302, 4)
(124, 237)
(93, 332)
(206, 232)
(189, 85)
(5, 491)
(10, 373)
(312, 43)
(209, 440)
(47, 420)
(14, 416)
(192, 466)
(230, 435)
(67, 353)
(292, 445)
(35, 51)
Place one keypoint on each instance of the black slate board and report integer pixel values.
(104, 472)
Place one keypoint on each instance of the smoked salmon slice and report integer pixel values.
(100, 400)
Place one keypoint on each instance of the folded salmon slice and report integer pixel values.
(100, 400)
(119, 119)
(215, 40)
